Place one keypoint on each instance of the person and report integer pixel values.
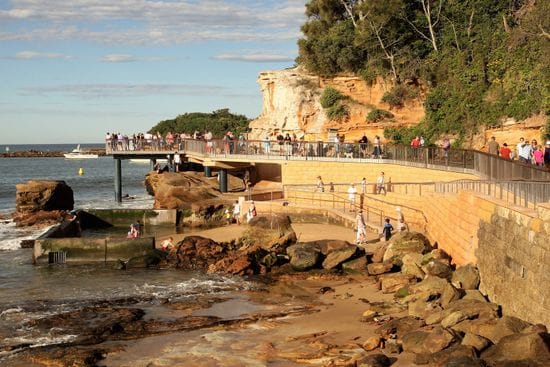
(401, 225)
(363, 145)
(361, 228)
(364, 185)
(519, 149)
(415, 144)
(228, 216)
(167, 244)
(331, 186)
(377, 150)
(525, 152)
(246, 179)
(177, 161)
(237, 212)
(267, 145)
(134, 230)
(380, 184)
(547, 154)
(494, 147)
(320, 185)
(351, 196)
(505, 152)
(446, 147)
(387, 230)
(538, 156)
(251, 212)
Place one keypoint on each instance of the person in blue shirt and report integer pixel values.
(387, 230)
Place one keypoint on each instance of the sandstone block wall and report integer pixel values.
(514, 261)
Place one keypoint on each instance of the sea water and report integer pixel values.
(24, 287)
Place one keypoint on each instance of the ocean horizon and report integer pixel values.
(66, 147)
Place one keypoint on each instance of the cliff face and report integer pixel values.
(291, 104)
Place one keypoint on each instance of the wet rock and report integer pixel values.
(336, 257)
(45, 195)
(479, 343)
(152, 258)
(373, 360)
(272, 233)
(391, 283)
(428, 341)
(379, 268)
(404, 243)
(399, 327)
(519, 347)
(356, 265)
(466, 277)
(195, 252)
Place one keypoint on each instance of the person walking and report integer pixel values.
(177, 161)
(364, 185)
(237, 212)
(352, 191)
(401, 225)
(380, 184)
(547, 154)
(320, 185)
(387, 230)
(494, 147)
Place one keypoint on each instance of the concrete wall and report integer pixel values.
(125, 217)
(300, 172)
(85, 250)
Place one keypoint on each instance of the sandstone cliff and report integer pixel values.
(291, 104)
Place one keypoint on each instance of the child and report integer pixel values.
(228, 216)
(387, 230)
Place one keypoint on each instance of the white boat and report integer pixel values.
(79, 154)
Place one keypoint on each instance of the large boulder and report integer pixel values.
(303, 256)
(405, 243)
(428, 341)
(339, 256)
(466, 277)
(179, 190)
(273, 233)
(531, 348)
(47, 195)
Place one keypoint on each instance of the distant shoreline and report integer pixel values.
(32, 153)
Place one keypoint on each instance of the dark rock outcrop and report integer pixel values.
(43, 195)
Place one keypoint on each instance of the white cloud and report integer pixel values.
(87, 91)
(157, 22)
(254, 57)
(118, 58)
(28, 55)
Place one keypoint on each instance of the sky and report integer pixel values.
(72, 70)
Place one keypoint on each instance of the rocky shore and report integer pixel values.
(316, 303)
(46, 154)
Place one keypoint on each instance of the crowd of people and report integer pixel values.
(524, 151)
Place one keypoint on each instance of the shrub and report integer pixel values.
(330, 97)
(397, 96)
(379, 115)
(337, 112)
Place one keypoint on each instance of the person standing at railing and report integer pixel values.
(377, 149)
(288, 144)
(320, 185)
(352, 192)
(547, 154)
(415, 145)
(208, 139)
(363, 146)
(538, 156)
(493, 146)
(505, 152)
(446, 147)
(267, 145)
(364, 186)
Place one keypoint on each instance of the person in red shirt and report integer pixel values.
(505, 152)
(415, 144)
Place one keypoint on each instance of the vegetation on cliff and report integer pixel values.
(481, 60)
(217, 122)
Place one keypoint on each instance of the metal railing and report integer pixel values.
(486, 166)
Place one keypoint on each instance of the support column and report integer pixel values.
(223, 180)
(118, 180)
(153, 163)
(207, 171)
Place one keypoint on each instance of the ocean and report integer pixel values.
(26, 288)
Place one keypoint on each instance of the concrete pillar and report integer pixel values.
(207, 171)
(153, 163)
(223, 180)
(118, 180)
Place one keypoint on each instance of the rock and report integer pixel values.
(179, 190)
(196, 252)
(453, 319)
(373, 360)
(479, 343)
(404, 243)
(328, 246)
(438, 268)
(423, 308)
(465, 361)
(379, 268)
(371, 343)
(272, 233)
(357, 265)
(45, 195)
(399, 327)
(474, 294)
(368, 315)
(492, 328)
(337, 257)
(428, 342)
(453, 354)
(466, 277)
(391, 283)
(302, 257)
(412, 265)
(508, 325)
(377, 250)
(518, 347)
(473, 308)
(432, 288)
(393, 347)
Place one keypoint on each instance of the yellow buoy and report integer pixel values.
(80, 172)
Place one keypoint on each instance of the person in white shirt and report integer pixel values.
(351, 196)
(237, 212)
(177, 161)
(380, 184)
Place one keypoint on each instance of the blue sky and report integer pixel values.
(71, 70)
